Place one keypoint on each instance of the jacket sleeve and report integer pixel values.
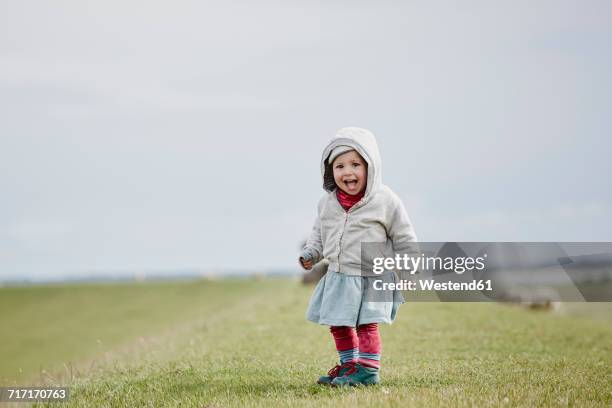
(313, 249)
(400, 229)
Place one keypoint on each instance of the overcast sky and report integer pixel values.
(188, 134)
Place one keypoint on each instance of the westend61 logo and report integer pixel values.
(412, 264)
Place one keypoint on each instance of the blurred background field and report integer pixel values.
(47, 326)
(244, 342)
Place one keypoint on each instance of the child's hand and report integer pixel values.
(306, 263)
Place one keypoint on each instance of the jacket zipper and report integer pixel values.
(342, 235)
(346, 214)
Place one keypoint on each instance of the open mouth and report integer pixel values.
(351, 184)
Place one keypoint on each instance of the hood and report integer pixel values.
(364, 142)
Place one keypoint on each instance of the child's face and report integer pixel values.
(350, 172)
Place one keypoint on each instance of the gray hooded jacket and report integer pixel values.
(379, 216)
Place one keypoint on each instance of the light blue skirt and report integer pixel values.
(346, 300)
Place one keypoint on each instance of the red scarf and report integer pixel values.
(347, 200)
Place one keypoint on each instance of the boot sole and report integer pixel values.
(353, 384)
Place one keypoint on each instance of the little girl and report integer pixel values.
(356, 208)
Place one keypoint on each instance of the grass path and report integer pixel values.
(46, 326)
(247, 344)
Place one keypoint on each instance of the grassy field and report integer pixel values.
(246, 343)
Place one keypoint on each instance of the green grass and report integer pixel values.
(43, 326)
(246, 343)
